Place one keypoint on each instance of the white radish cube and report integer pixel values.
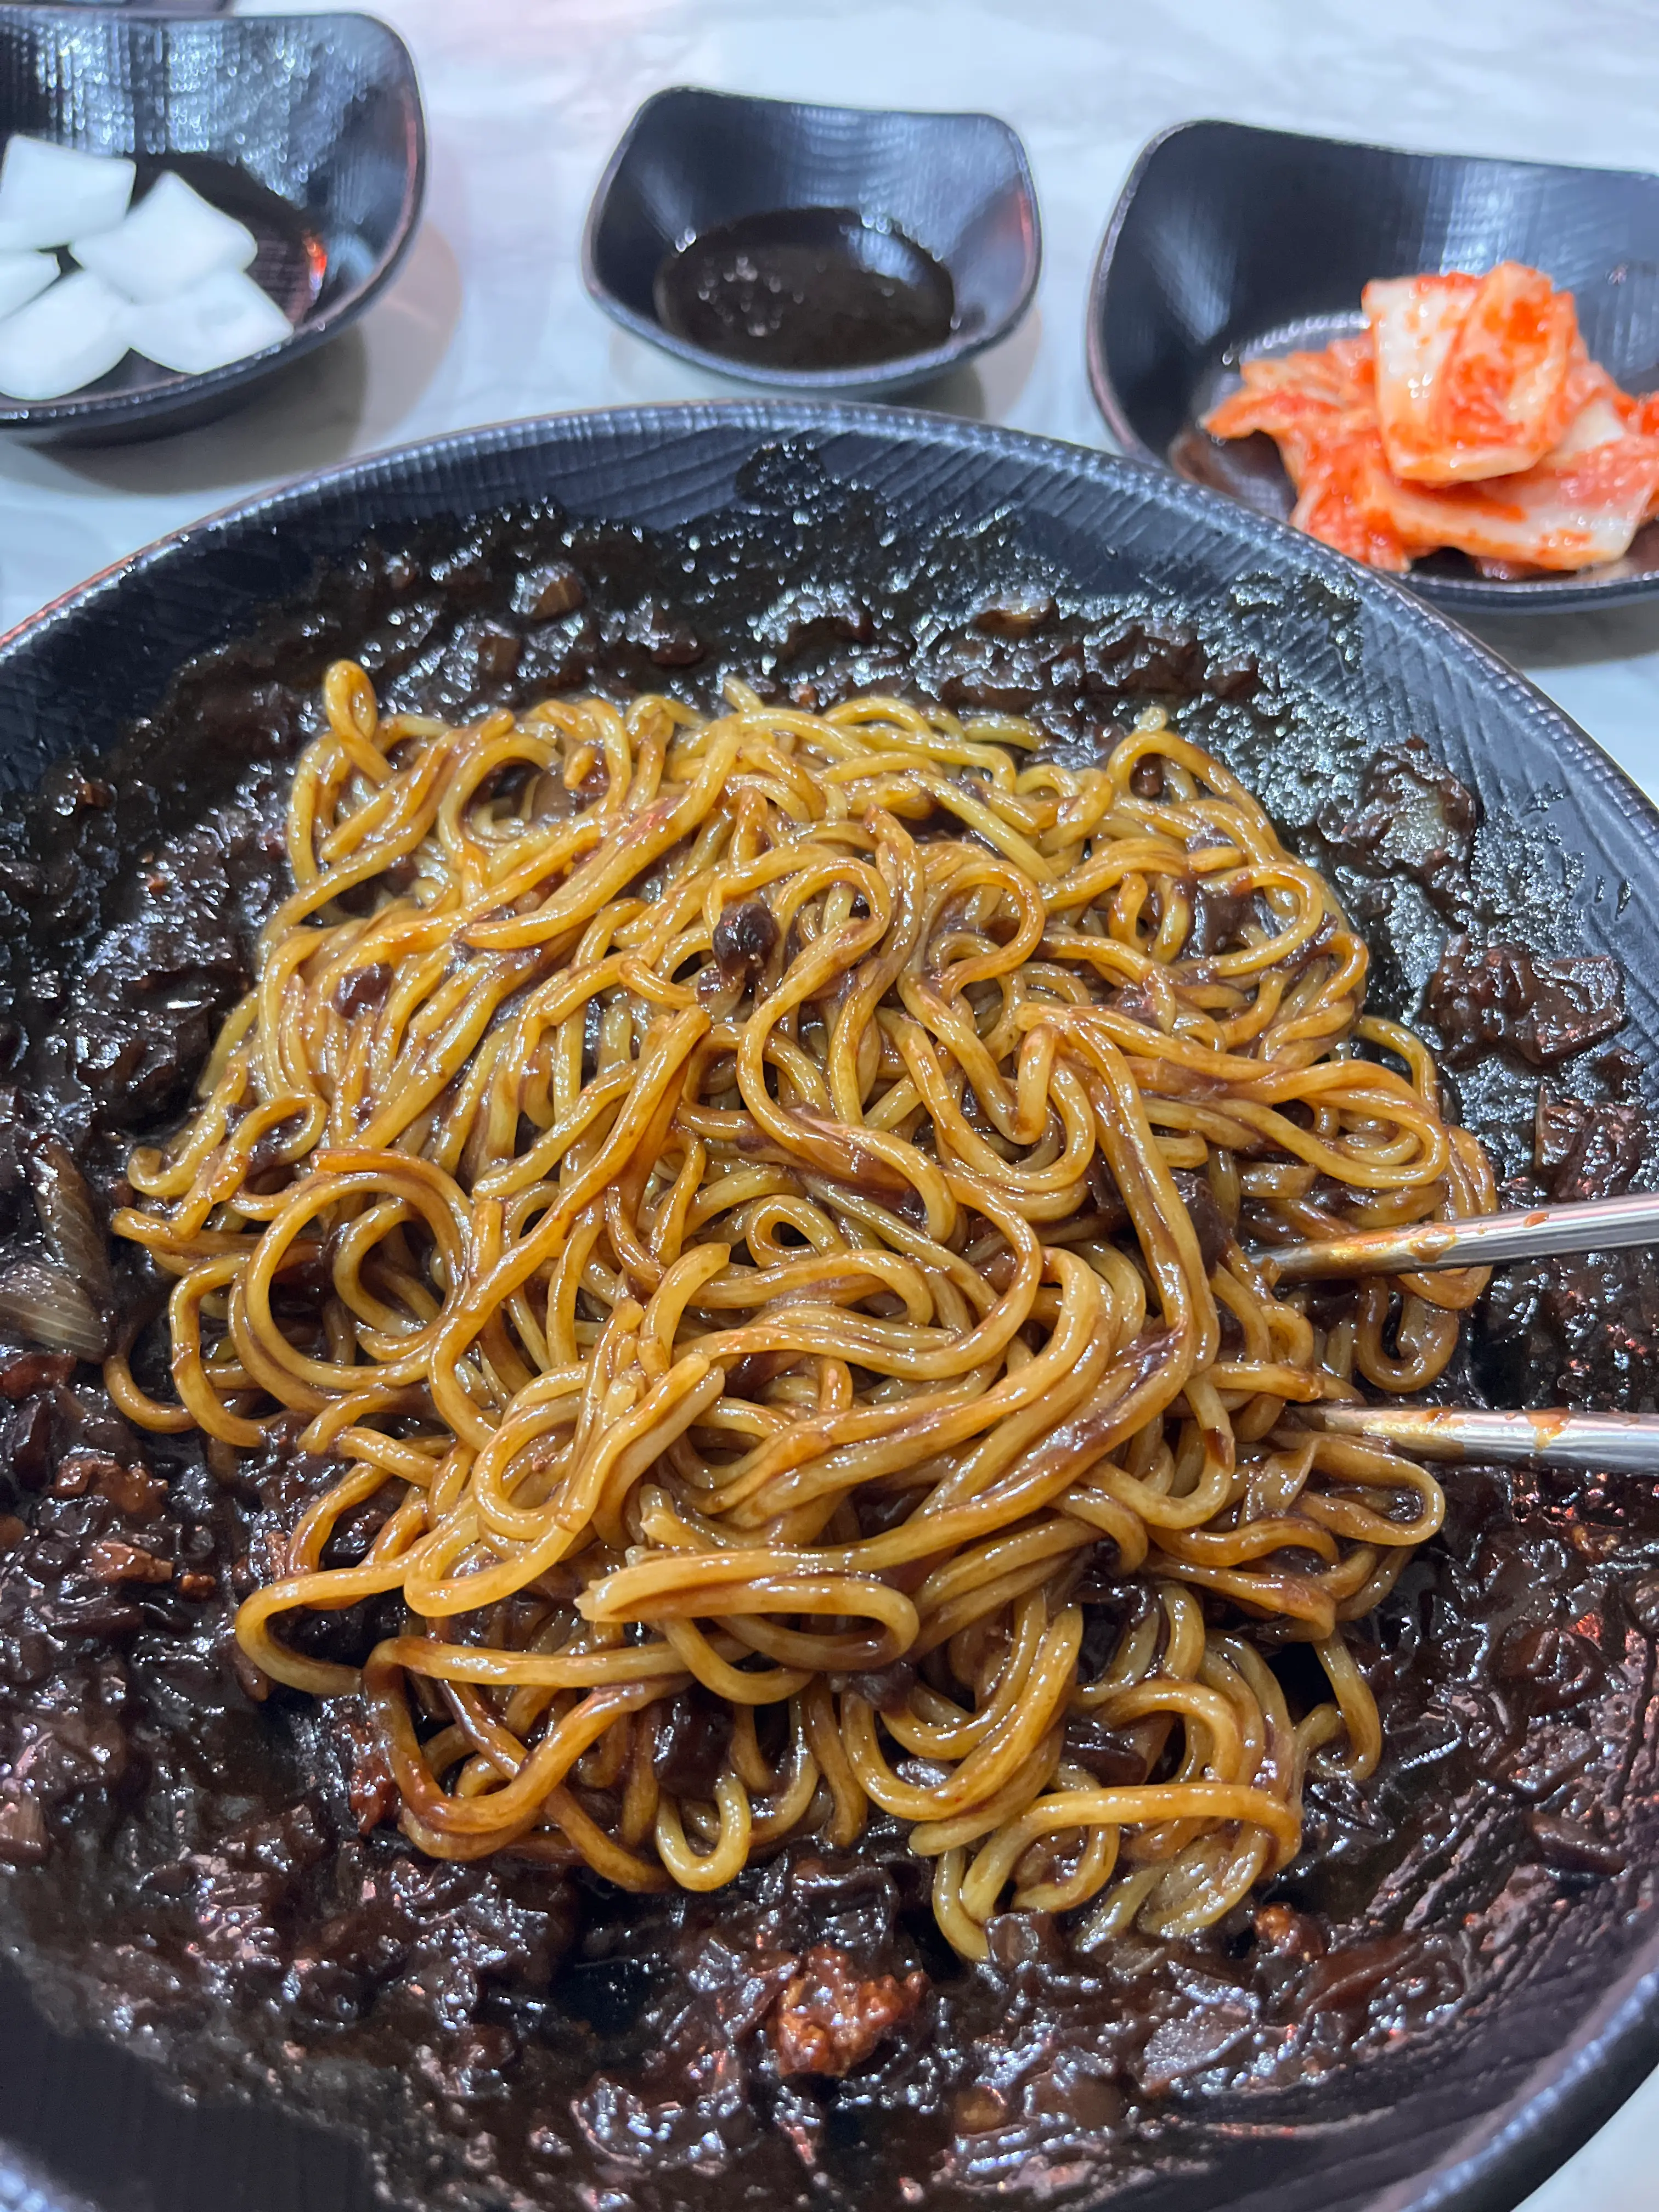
(22, 276)
(220, 319)
(67, 338)
(50, 194)
(171, 240)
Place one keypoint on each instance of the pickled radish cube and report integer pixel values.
(220, 319)
(23, 277)
(67, 338)
(50, 194)
(171, 240)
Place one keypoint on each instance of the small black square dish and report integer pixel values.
(1230, 241)
(307, 129)
(817, 249)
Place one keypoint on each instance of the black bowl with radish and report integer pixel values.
(186, 205)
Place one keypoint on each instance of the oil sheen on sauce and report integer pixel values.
(806, 288)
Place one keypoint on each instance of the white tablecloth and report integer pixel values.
(488, 319)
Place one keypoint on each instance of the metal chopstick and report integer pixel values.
(1624, 1443)
(1602, 1224)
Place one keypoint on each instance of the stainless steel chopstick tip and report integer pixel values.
(1555, 1436)
(1605, 1224)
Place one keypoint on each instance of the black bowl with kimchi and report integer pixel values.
(1228, 241)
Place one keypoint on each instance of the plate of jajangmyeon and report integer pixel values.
(668, 1527)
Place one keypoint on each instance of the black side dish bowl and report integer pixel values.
(1230, 240)
(693, 162)
(1486, 2035)
(306, 127)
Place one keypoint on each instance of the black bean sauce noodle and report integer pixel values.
(752, 1261)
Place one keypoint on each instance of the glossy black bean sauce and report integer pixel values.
(806, 288)
(216, 1879)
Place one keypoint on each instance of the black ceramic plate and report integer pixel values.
(1228, 241)
(1467, 2124)
(308, 128)
(691, 161)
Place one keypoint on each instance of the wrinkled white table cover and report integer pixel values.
(488, 319)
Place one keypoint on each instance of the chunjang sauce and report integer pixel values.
(806, 288)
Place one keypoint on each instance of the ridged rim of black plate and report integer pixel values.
(908, 369)
(118, 410)
(1573, 2090)
(1526, 595)
(142, 7)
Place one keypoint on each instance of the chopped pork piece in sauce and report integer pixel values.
(830, 2018)
(1469, 415)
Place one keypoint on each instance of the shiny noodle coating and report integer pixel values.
(710, 1185)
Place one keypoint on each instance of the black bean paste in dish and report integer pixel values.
(214, 1879)
(806, 288)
